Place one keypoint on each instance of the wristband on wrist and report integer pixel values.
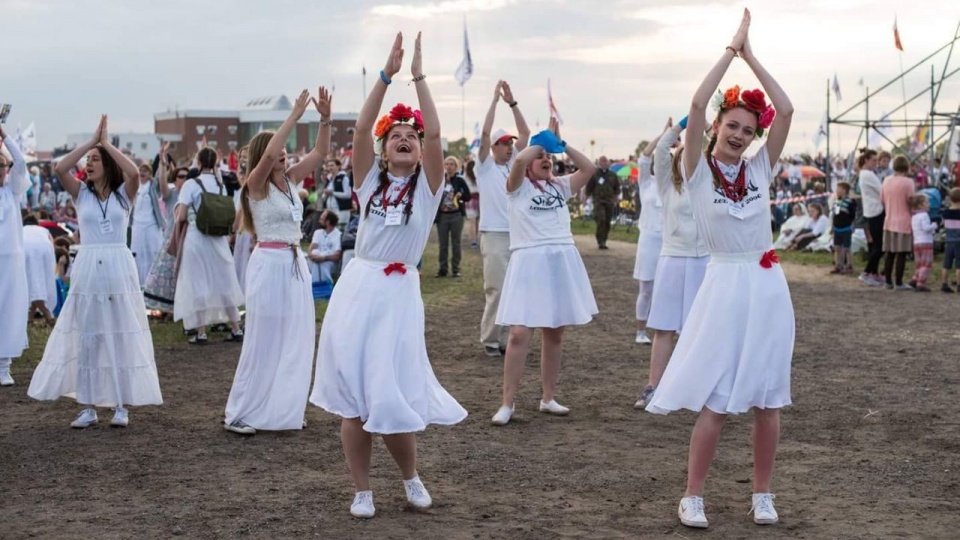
(417, 79)
(386, 80)
(512, 104)
(325, 121)
(734, 51)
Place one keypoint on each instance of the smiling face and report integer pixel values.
(145, 173)
(735, 128)
(541, 167)
(94, 167)
(401, 146)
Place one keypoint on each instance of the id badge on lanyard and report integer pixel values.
(106, 226)
(736, 210)
(394, 216)
(296, 214)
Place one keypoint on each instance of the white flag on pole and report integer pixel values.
(28, 139)
(821, 132)
(882, 128)
(466, 65)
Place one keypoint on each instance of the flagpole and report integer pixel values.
(903, 89)
(463, 111)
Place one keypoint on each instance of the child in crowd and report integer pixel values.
(844, 212)
(923, 230)
(951, 253)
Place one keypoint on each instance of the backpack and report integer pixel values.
(216, 214)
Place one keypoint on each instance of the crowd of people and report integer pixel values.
(199, 241)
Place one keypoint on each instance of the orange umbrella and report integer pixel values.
(806, 171)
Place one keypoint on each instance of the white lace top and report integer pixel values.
(277, 218)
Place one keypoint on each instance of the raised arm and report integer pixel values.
(161, 175)
(523, 131)
(520, 164)
(260, 175)
(432, 154)
(585, 167)
(662, 162)
(131, 174)
(777, 137)
(697, 119)
(363, 153)
(311, 161)
(17, 177)
(484, 151)
(652, 145)
(69, 161)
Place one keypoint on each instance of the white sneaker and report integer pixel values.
(417, 495)
(554, 408)
(642, 337)
(645, 398)
(242, 429)
(691, 512)
(86, 418)
(120, 418)
(503, 416)
(5, 378)
(362, 506)
(763, 511)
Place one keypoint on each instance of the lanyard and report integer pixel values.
(400, 196)
(288, 194)
(103, 207)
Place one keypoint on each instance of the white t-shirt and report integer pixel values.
(651, 206)
(870, 193)
(103, 222)
(680, 236)
(395, 243)
(190, 193)
(539, 218)
(492, 186)
(819, 226)
(327, 243)
(142, 209)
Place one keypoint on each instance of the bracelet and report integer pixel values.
(326, 122)
(417, 79)
(734, 51)
(512, 105)
(384, 78)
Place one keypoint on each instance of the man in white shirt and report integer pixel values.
(325, 249)
(494, 159)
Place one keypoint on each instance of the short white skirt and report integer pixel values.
(648, 255)
(546, 287)
(372, 361)
(100, 351)
(674, 289)
(737, 350)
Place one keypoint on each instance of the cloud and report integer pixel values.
(427, 10)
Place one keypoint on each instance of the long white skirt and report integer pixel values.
(738, 347)
(41, 276)
(546, 287)
(372, 359)
(160, 287)
(648, 255)
(207, 288)
(674, 289)
(14, 303)
(242, 248)
(100, 351)
(273, 376)
(145, 242)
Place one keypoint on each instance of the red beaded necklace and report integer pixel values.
(736, 190)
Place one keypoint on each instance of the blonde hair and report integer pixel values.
(918, 201)
(453, 159)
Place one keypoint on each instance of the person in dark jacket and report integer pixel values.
(604, 187)
(451, 215)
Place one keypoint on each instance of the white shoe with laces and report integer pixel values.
(691, 512)
(85, 419)
(5, 378)
(642, 337)
(503, 416)
(554, 408)
(417, 495)
(120, 417)
(763, 511)
(362, 506)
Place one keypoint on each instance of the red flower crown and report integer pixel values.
(752, 100)
(399, 114)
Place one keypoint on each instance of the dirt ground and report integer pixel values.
(870, 448)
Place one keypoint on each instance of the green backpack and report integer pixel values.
(216, 214)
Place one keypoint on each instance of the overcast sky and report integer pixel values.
(618, 67)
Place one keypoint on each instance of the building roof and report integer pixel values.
(269, 103)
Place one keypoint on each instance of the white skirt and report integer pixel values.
(242, 248)
(273, 376)
(207, 286)
(546, 287)
(100, 351)
(41, 275)
(674, 289)
(648, 255)
(145, 243)
(14, 304)
(372, 359)
(738, 346)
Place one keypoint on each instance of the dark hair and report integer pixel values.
(865, 154)
(332, 217)
(469, 170)
(818, 207)
(844, 185)
(207, 158)
(62, 243)
(336, 161)
(30, 219)
(43, 214)
(172, 177)
(884, 154)
(384, 183)
(901, 164)
(112, 173)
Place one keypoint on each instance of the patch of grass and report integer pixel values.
(588, 226)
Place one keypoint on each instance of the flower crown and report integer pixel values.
(752, 100)
(399, 114)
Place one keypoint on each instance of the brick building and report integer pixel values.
(229, 129)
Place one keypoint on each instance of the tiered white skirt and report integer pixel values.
(207, 288)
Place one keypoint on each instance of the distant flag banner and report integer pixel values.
(821, 132)
(836, 87)
(554, 113)
(920, 137)
(881, 129)
(896, 36)
(465, 71)
(475, 145)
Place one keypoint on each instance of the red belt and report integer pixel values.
(274, 245)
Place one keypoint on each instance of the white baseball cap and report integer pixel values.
(501, 135)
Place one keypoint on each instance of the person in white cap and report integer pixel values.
(495, 159)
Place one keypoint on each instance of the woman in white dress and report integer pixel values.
(100, 351)
(41, 265)
(683, 260)
(792, 226)
(546, 285)
(208, 291)
(273, 376)
(738, 357)
(243, 240)
(14, 301)
(148, 223)
(379, 379)
(650, 241)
